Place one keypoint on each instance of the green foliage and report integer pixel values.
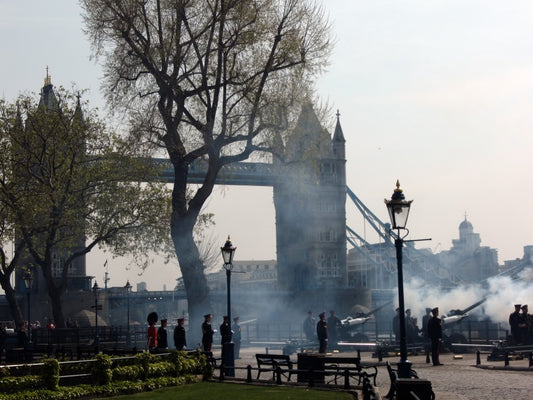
(102, 369)
(145, 358)
(17, 384)
(148, 372)
(51, 374)
(65, 177)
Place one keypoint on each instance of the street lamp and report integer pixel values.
(96, 288)
(398, 209)
(227, 348)
(28, 281)
(128, 291)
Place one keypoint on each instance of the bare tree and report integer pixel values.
(216, 79)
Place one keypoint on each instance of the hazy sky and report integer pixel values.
(438, 94)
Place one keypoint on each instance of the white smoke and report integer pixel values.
(501, 293)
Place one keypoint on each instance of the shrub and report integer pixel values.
(102, 369)
(51, 373)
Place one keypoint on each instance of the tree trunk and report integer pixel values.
(192, 271)
(57, 308)
(55, 293)
(183, 220)
(11, 298)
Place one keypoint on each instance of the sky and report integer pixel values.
(437, 94)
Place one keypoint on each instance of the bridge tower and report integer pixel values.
(310, 207)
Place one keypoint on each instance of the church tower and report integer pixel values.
(310, 206)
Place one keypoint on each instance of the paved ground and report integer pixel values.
(457, 379)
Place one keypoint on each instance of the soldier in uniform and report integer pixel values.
(309, 326)
(179, 335)
(162, 338)
(207, 333)
(322, 332)
(525, 326)
(396, 325)
(237, 337)
(514, 320)
(152, 331)
(334, 324)
(225, 331)
(435, 334)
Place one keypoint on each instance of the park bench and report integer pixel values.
(272, 362)
(408, 388)
(339, 366)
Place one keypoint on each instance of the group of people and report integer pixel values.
(158, 337)
(411, 326)
(227, 334)
(325, 330)
(431, 330)
(521, 323)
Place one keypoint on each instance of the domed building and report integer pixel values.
(467, 259)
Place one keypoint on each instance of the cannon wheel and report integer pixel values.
(456, 338)
(360, 338)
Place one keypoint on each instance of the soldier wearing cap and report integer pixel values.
(525, 326)
(236, 337)
(179, 335)
(322, 332)
(514, 320)
(207, 333)
(225, 330)
(309, 326)
(435, 334)
(334, 326)
(396, 325)
(162, 338)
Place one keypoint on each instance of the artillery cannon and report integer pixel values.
(453, 318)
(349, 324)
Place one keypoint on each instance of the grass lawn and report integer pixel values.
(223, 391)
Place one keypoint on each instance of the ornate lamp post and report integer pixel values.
(128, 336)
(96, 288)
(398, 209)
(227, 348)
(28, 281)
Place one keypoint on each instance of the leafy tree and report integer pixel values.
(206, 79)
(67, 185)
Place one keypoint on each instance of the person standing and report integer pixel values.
(207, 333)
(309, 326)
(237, 337)
(334, 324)
(225, 331)
(162, 337)
(152, 331)
(396, 325)
(322, 333)
(525, 326)
(435, 335)
(179, 335)
(514, 321)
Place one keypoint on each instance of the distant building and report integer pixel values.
(514, 267)
(141, 287)
(247, 274)
(467, 258)
(310, 204)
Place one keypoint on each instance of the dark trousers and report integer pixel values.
(435, 350)
(323, 345)
(237, 349)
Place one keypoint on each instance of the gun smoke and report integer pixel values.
(501, 293)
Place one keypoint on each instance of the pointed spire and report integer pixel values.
(78, 113)
(47, 78)
(338, 135)
(48, 97)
